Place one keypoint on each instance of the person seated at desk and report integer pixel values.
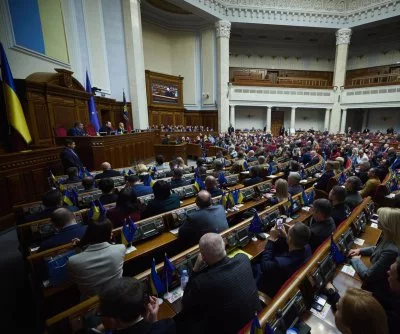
(322, 224)
(262, 162)
(160, 164)
(383, 169)
(177, 180)
(284, 253)
(68, 156)
(163, 200)
(100, 262)
(340, 210)
(88, 184)
(107, 128)
(137, 187)
(121, 128)
(221, 295)
(358, 312)
(126, 206)
(254, 178)
(212, 186)
(381, 256)
(219, 157)
(295, 187)
(371, 185)
(209, 218)
(66, 227)
(322, 183)
(180, 163)
(127, 308)
(218, 168)
(251, 156)
(107, 171)
(108, 194)
(352, 186)
(364, 167)
(51, 200)
(314, 159)
(165, 140)
(281, 190)
(73, 177)
(77, 130)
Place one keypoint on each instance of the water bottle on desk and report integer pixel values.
(184, 279)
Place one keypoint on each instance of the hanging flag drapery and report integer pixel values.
(93, 117)
(125, 114)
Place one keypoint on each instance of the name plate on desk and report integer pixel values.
(231, 180)
(149, 228)
(179, 216)
(184, 192)
(144, 200)
(87, 198)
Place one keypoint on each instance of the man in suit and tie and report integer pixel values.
(210, 218)
(137, 187)
(68, 156)
(322, 183)
(107, 171)
(219, 288)
(77, 130)
(67, 229)
(231, 129)
(107, 128)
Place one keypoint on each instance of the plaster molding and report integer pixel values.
(223, 29)
(343, 36)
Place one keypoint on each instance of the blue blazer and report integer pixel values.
(141, 190)
(70, 159)
(63, 237)
(76, 132)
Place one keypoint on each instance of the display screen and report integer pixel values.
(148, 227)
(290, 316)
(242, 234)
(163, 92)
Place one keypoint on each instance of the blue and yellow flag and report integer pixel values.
(222, 179)
(15, 114)
(148, 181)
(199, 184)
(155, 281)
(342, 179)
(245, 165)
(168, 270)
(307, 199)
(70, 197)
(236, 197)
(255, 326)
(97, 211)
(255, 224)
(128, 231)
(335, 252)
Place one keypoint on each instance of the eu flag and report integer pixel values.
(15, 114)
(336, 254)
(255, 224)
(169, 268)
(222, 179)
(125, 115)
(128, 231)
(93, 117)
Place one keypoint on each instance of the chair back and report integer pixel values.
(60, 131)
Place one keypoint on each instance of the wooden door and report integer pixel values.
(276, 121)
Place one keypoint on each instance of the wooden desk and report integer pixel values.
(171, 152)
(118, 150)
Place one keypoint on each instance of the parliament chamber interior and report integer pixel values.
(200, 166)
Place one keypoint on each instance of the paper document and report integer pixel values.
(175, 231)
(306, 208)
(349, 270)
(359, 241)
(323, 313)
(374, 225)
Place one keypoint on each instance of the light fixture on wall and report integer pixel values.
(341, 88)
(335, 88)
(206, 96)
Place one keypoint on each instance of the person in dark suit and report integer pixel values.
(363, 171)
(137, 187)
(314, 159)
(353, 185)
(231, 129)
(177, 180)
(322, 224)
(284, 253)
(88, 184)
(68, 156)
(322, 183)
(67, 229)
(107, 128)
(108, 195)
(77, 130)
(340, 210)
(163, 200)
(254, 178)
(73, 177)
(107, 171)
(209, 218)
(124, 302)
(219, 288)
(295, 187)
(212, 186)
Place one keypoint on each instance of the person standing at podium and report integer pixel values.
(68, 156)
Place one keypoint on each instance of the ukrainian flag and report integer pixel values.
(94, 212)
(15, 114)
(155, 281)
(256, 326)
(199, 184)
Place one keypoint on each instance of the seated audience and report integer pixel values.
(202, 172)
(250, 156)
(106, 185)
(212, 186)
(209, 218)
(381, 256)
(254, 178)
(100, 262)
(137, 187)
(160, 164)
(181, 163)
(77, 130)
(107, 128)
(126, 206)
(66, 227)
(177, 180)
(352, 186)
(88, 184)
(218, 168)
(121, 128)
(163, 200)
(314, 159)
(340, 210)
(126, 308)
(107, 171)
(364, 167)
(371, 185)
(383, 169)
(295, 187)
(262, 162)
(219, 288)
(73, 177)
(281, 190)
(322, 183)
(235, 168)
(358, 312)
(283, 255)
(219, 157)
(322, 224)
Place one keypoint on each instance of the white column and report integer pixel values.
(223, 31)
(268, 119)
(135, 60)
(326, 121)
(343, 122)
(232, 116)
(342, 48)
(364, 119)
(292, 119)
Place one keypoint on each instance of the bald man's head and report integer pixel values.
(203, 199)
(211, 182)
(62, 217)
(105, 166)
(212, 248)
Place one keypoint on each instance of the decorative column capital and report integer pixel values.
(269, 107)
(343, 36)
(294, 108)
(223, 28)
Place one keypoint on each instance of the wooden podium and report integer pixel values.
(171, 152)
